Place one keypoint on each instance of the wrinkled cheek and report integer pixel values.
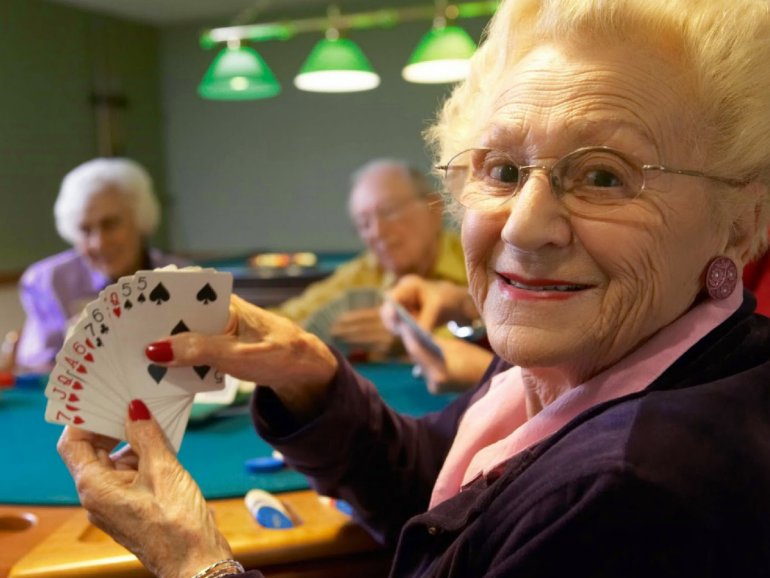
(633, 299)
(480, 235)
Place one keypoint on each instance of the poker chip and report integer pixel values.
(7, 379)
(340, 505)
(267, 510)
(263, 464)
(30, 381)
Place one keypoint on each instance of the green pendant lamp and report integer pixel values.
(443, 55)
(336, 65)
(238, 73)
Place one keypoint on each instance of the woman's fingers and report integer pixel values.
(363, 328)
(147, 440)
(79, 448)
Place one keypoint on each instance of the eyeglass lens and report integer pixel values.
(588, 177)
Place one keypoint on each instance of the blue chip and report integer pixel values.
(343, 507)
(269, 517)
(263, 464)
(31, 381)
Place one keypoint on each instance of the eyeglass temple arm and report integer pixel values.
(726, 180)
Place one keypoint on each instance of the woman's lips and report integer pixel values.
(520, 288)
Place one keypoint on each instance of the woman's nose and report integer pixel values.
(95, 239)
(536, 216)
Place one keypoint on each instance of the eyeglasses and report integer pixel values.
(387, 215)
(588, 181)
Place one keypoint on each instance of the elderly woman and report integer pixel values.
(106, 210)
(611, 160)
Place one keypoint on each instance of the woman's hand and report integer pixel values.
(261, 347)
(432, 303)
(463, 366)
(143, 498)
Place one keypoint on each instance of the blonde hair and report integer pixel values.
(722, 47)
(91, 178)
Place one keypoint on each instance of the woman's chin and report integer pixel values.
(532, 349)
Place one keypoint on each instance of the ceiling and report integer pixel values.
(222, 12)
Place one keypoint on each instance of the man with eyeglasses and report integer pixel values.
(399, 217)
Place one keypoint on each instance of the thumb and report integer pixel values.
(428, 316)
(145, 436)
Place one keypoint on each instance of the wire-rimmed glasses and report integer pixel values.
(590, 180)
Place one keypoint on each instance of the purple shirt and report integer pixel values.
(54, 290)
(666, 482)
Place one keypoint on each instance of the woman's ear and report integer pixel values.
(750, 217)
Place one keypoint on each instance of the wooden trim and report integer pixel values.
(10, 276)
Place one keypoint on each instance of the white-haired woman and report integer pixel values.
(107, 210)
(610, 160)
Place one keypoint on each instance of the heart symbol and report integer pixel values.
(77, 385)
(88, 357)
(116, 311)
(156, 372)
(73, 397)
(72, 407)
(88, 342)
(78, 420)
(82, 369)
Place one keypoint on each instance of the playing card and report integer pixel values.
(102, 367)
(425, 338)
(177, 301)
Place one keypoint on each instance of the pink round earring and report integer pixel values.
(721, 277)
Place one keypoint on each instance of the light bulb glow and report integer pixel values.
(443, 55)
(336, 65)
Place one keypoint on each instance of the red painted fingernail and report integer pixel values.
(137, 410)
(160, 351)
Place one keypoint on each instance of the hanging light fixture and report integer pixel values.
(238, 73)
(336, 64)
(443, 54)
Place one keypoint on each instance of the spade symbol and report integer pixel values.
(159, 294)
(180, 328)
(156, 372)
(206, 294)
(127, 304)
(104, 329)
(141, 298)
(201, 370)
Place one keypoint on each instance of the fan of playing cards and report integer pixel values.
(102, 366)
(322, 320)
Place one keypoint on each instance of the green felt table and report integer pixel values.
(214, 451)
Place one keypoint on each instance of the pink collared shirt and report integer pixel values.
(495, 427)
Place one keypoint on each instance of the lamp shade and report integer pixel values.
(443, 55)
(238, 73)
(336, 65)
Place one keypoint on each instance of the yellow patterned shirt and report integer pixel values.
(363, 271)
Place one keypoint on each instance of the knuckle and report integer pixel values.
(196, 346)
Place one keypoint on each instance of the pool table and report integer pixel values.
(43, 532)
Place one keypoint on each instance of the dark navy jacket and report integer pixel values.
(670, 481)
